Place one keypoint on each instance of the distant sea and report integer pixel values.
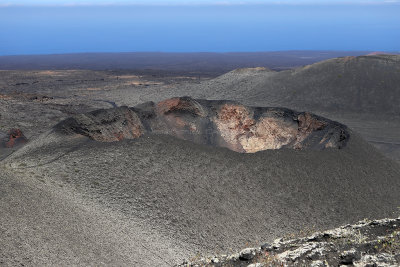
(47, 30)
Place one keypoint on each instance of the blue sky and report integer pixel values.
(44, 27)
(188, 2)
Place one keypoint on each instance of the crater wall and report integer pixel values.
(217, 123)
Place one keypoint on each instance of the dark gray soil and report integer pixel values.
(208, 200)
(157, 200)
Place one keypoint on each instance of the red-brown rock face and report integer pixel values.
(180, 105)
(13, 138)
(217, 123)
(238, 127)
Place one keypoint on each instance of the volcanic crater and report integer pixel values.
(220, 123)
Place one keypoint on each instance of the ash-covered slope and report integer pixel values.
(364, 83)
(157, 199)
(217, 123)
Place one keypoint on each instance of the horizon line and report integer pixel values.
(211, 52)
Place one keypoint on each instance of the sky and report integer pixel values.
(73, 26)
(187, 2)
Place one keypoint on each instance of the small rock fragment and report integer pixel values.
(214, 260)
(247, 254)
(266, 246)
(255, 265)
(317, 263)
(348, 257)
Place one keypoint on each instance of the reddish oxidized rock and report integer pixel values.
(218, 123)
(13, 138)
(180, 104)
(308, 123)
(2, 96)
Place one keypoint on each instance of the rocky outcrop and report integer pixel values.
(13, 138)
(106, 125)
(366, 243)
(26, 97)
(218, 123)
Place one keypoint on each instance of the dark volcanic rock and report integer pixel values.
(105, 125)
(366, 243)
(26, 96)
(218, 123)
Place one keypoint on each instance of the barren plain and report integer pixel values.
(72, 197)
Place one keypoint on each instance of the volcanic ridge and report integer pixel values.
(218, 123)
